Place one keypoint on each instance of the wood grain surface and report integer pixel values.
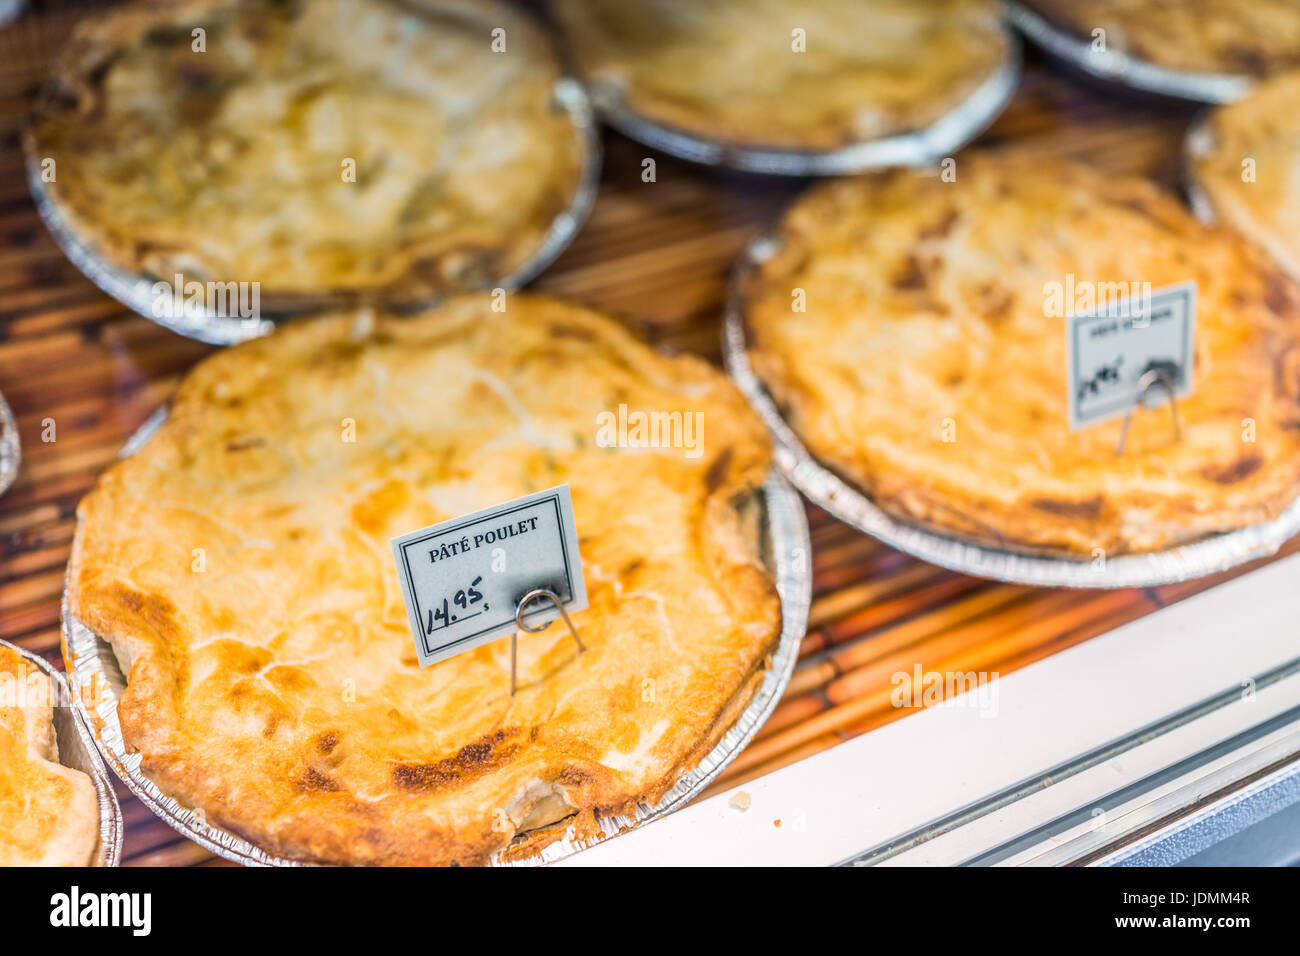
(657, 253)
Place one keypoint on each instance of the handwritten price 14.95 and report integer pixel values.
(466, 598)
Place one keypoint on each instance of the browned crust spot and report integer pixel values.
(1238, 470)
(717, 473)
(1088, 508)
(312, 780)
(472, 760)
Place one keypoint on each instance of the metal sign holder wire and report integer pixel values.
(1165, 375)
(519, 612)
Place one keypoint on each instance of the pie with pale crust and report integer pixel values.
(1210, 36)
(277, 687)
(49, 813)
(232, 163)
(930, 370)
(730, 71)
(1245, 160)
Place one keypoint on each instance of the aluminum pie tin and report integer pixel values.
(919, 148)
(135, 290)
(78, 750)
(787, 553)
(10, 452)
(1121, 69)
(827, 490)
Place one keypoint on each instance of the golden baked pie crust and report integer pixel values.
(1245, 161)
(229, 165)
(277, 689)
(927, 320)
(728, 72)
(1212, 36)
(49, 813)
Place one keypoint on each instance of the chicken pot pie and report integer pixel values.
(733, 71)
(1244, 162)
(277, 687)
(312, 146)
(49, 813)
(929, 368)
(1210, 36)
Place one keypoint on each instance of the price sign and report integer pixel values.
(1109, 350)
(463, 578)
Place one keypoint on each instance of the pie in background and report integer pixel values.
(277, 687)
(231, 164)
(1255, 38)
(729, 71)
(929, 371)
(1245, 160)
(49, 813)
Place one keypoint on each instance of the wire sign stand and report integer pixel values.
(524, 601)
(1163, 375)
